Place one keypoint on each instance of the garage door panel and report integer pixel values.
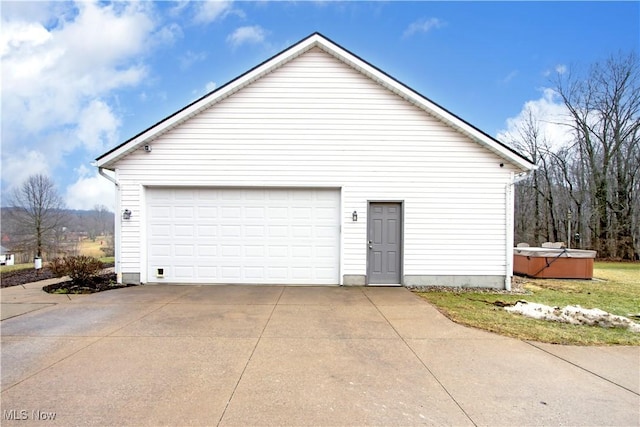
(184, 231)
(325, 252)
(184, 250)
(208, 271)
(324, 273)
(231, 274)
(301, 273)
(302, 231)
(323, 231)
(161, 212)
(183, 272)
(277, 273)
(257, 231)
(183, 212)
(205, 212)
(230, 195)
(232, 212)
(243, 235)
(183, 194)
(301, 251)
(161, 230)
(208, 231)
(278, 251)
(205, 250)
(254, 272)
(278, 212)
(231, 251)
(255, 212)
(276, 231)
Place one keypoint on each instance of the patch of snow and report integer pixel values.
(573, 314)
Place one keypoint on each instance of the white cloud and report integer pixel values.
(61, 62)
(252, 34)
(189, 58)
(210, 86)
(97, 126)
(558, 69)
(19, 164)
(43, 11)
(552, 118)
(212, 10)
(18, 34)
(89, 191)
(169, 34)
(509, 77)
(423, 26)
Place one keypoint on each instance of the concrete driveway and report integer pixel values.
(272, 355)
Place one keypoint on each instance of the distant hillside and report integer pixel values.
(76, 226)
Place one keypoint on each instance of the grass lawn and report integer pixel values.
(14, 267)
(616, 289)
(90, 247)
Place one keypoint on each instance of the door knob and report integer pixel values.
(370, 246)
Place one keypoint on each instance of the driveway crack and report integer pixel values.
(235, 387)
(583, 368)
(424, 365)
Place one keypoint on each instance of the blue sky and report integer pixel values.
(79, 78)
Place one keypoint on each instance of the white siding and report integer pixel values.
(315, 122)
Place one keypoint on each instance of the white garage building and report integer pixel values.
(314, 167)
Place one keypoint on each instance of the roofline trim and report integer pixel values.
(314, 40)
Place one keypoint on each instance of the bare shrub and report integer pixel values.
(81, 269)
(58, 267)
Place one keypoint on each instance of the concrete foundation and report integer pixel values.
(354, 279)
(131, 278)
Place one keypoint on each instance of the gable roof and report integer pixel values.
(108, 159)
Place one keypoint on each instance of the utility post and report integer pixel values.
(569, 229)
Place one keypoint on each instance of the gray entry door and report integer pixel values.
(384, 233)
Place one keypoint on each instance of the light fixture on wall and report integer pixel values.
(147, 148)
(126, 214)
(354, 216)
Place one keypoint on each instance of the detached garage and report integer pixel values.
(314, 167)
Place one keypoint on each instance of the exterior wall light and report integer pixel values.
(354, 216)
(126, 214)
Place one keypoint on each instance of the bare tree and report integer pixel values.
(102, 223)
(530, 141)
(605, 109)
(593, 182)
(38, 214)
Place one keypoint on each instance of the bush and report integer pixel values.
(81, 269)
(58, 267)
(108, 251)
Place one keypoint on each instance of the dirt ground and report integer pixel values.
(20, 277)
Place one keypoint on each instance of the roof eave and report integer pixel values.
(109, 159)
(433, 108)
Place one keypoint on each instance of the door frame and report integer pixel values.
(400, 242)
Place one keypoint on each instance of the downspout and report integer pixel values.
(117, 225)
(110, 178)
(509, 227)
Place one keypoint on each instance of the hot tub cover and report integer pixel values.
(553, 252)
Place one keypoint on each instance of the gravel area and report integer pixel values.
(517, 288)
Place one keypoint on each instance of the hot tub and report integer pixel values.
(551, 263)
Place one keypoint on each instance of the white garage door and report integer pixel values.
(269, 236)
